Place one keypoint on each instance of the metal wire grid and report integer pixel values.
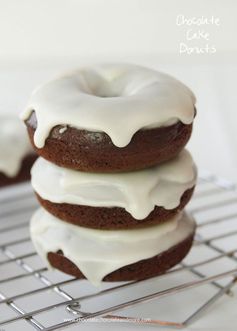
(16, 205)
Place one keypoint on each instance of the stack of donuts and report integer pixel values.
(113, 176)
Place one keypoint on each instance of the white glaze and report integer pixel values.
(14, 145)
(137, 191)
(118, 99)
(99, 252)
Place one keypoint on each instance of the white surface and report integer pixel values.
(221, 316)
(213, 145)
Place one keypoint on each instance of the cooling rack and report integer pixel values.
(35, 298)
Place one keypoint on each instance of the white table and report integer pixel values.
(213, 144)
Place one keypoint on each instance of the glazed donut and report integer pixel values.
(117, 255)
(110, 118)
(118, 200)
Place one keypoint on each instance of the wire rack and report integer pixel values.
(35, 298)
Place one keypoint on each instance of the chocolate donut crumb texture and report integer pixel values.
(94, 151)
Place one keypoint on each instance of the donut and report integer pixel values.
(16, 153)
(118, 200)
(110, 118)
(111, 255)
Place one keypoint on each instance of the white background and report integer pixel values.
(60, 28)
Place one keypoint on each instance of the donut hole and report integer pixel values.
(104, 90)
(106, 82)
(100, 86)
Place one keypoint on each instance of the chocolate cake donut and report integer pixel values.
(118, 200)
(16, 153)
(94, 151)
(108, 255)
(110, 118)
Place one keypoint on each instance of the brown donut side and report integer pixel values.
(94, 151)
(110, 218)
(140, 270)
(23, 174)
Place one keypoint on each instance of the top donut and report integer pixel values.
(110, 118)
